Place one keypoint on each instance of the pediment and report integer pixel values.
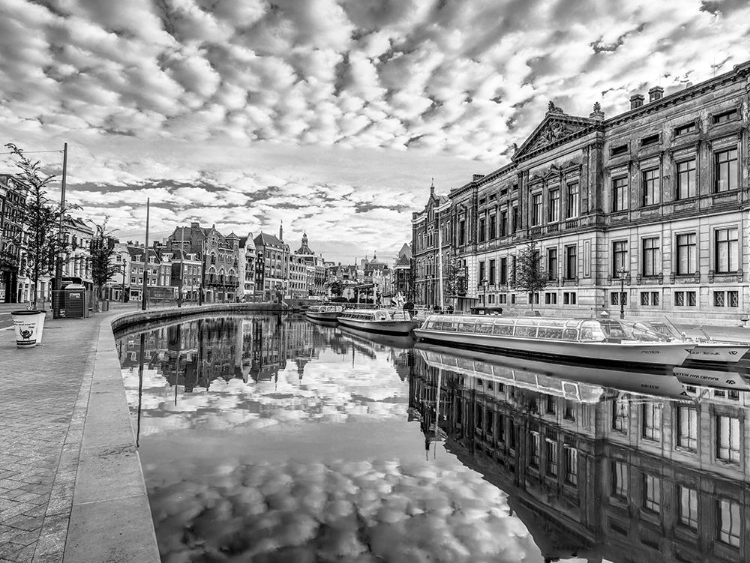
(554, 127)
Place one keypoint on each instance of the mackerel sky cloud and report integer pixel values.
(332, 116)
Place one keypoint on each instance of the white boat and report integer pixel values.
(585, 340)
(704, 350)
(586, 384)
(324, 312)
(695, 373)
(383, 321)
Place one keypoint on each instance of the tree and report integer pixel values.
(39, 238)
(530, 274)
(102, 250)
(335, 288)
(454, 278)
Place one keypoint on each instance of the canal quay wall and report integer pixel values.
(71, 482)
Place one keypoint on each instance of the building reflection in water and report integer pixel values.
(596, 473)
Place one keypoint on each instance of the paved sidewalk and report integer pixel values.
(45, 392)
(71, 484)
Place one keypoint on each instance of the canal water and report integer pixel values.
(271, 438)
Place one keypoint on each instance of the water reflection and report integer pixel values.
(276, 439)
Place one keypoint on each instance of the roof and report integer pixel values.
(265, 239)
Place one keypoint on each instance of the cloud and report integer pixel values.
(430, 80)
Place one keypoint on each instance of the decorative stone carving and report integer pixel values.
(551, 133)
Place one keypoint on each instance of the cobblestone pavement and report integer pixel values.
(43, 401)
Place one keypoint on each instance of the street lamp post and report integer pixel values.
(621, 272)
(124, 268)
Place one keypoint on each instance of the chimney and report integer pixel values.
(636, 101)
(655, 93)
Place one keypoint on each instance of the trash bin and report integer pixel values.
(70, 302)
(29, 326)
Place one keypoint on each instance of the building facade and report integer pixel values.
(642, 214)
(12, 197)
(272, 265)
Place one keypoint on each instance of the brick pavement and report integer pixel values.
(43, 400)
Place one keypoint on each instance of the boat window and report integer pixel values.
(592, 331)
(429, 323)
(464, 363)
(570, 334)
(467, 324)
(484, 326)
(550, 332)
(526, 331)
(503, 329)
(481, 367)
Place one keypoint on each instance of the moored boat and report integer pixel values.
(704, 350)
(383, 321)
(324, 312)
(585, 340)
(570, 380)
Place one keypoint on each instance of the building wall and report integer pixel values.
(644, 224)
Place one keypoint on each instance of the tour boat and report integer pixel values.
(699, 373)
(571, 380)
(704, 350)
(324, 312)
(384, 321)
(585, 340)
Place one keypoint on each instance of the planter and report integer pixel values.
(29, 327)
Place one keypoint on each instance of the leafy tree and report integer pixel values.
(454, 280)
(102, 250)
(530, 274)
(39, 239)
(335, 288)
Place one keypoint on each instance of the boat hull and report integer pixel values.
(636, 353)
(695, 374)
(329, 316)
(718, 352)
(381, 327)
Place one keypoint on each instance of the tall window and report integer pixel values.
(503, 271)
(619, 480)
(686, 254)
(571, 465)
(514, 261)
(727, 253)
(503, 223)
(686, 184)
(725, 170)
(621, 414)
(650, 186)
(619, 197)
(514, 219)
(492, 272)
(687, 437)
(481, 272)
(461, 232)
(493, 227)
(536, 209)
(688, 507)
(651, 493)
(534, 449)
(651, 421)
(728, 438)
(729, 522)
(552, 461)
(482, 229)
(552, 263)
(619, 257)
(651, 256)
(571, 262)
(554, 206)
(572, 205)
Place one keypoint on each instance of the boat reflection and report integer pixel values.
(597, 473)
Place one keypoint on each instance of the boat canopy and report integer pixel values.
(573, 330)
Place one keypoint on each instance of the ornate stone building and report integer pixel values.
(643, 213)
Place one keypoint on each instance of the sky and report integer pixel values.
(331, 117)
